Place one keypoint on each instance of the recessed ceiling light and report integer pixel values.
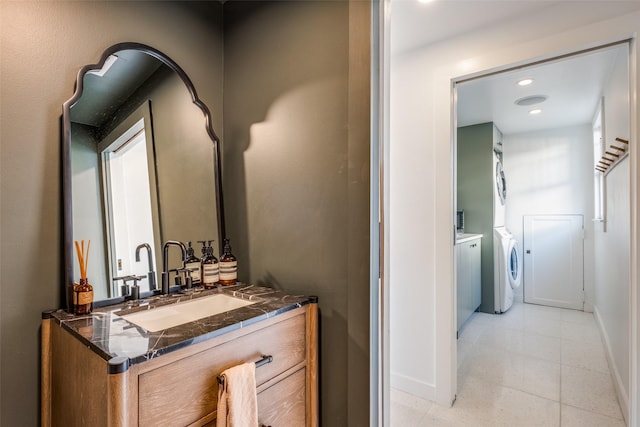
(535, 111)
(531, 100)
(525, 82)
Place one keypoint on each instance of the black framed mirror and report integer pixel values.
(138, 168)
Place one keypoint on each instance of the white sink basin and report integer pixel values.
(157, 319)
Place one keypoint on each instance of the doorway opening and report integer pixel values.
(546, 149)
(130, 203)
(128, 192)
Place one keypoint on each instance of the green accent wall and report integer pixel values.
(295, 78)
(475, 180)
(296, 173)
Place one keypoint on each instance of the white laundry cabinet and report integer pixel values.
(469, 282)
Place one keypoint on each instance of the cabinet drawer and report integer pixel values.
(186, 390)
(284, 403)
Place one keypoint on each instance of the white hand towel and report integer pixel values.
(237, 400)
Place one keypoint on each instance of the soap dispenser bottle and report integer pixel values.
(210, 267)
(228, 266)
(193, 264)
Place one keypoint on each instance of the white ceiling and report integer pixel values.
(415, 24)
(573, 86)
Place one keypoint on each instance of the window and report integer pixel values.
(598, 150)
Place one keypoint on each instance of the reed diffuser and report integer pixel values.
(83, 291)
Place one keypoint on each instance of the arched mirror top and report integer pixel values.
(154, 53)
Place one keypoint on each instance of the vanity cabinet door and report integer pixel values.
(284, 403)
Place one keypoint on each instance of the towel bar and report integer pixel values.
(265, 359)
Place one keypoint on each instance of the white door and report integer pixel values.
(553, 260)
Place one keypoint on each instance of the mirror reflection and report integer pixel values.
(144, 168)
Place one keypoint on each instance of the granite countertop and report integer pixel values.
(465, 237)
(122, 343)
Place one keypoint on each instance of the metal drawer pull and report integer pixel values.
(265, 359)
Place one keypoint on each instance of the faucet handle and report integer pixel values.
(189, 279)
(187, 273)
(125, 289)
(135, 289)
(136, 279)
(133, 277)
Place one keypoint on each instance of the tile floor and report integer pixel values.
(532, 366)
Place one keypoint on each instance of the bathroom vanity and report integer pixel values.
(156, 361)
(105, 369)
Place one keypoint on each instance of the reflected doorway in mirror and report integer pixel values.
(131, 208)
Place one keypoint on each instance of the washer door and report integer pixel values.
(514, 268)
(501, 183)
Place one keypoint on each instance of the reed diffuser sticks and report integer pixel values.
(83, 258)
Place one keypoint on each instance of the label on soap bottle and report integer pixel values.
(228, 270)
(195, 271)
(210, 274)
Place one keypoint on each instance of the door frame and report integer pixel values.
(446, 350)
(379, 342)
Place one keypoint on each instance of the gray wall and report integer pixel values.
(296, 173)
(296, 162)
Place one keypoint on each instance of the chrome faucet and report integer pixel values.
(130, 292)
(165, 262)
(151, 276)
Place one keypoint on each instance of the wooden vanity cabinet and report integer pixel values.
(180, 388)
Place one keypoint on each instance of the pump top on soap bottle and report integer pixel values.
(210, 267)
(204, 247)
(228, 266)
(193, 263)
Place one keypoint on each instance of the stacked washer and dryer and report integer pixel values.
(481, 191)
(507, 269)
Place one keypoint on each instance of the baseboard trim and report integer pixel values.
(413, 386)
(623, 397)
